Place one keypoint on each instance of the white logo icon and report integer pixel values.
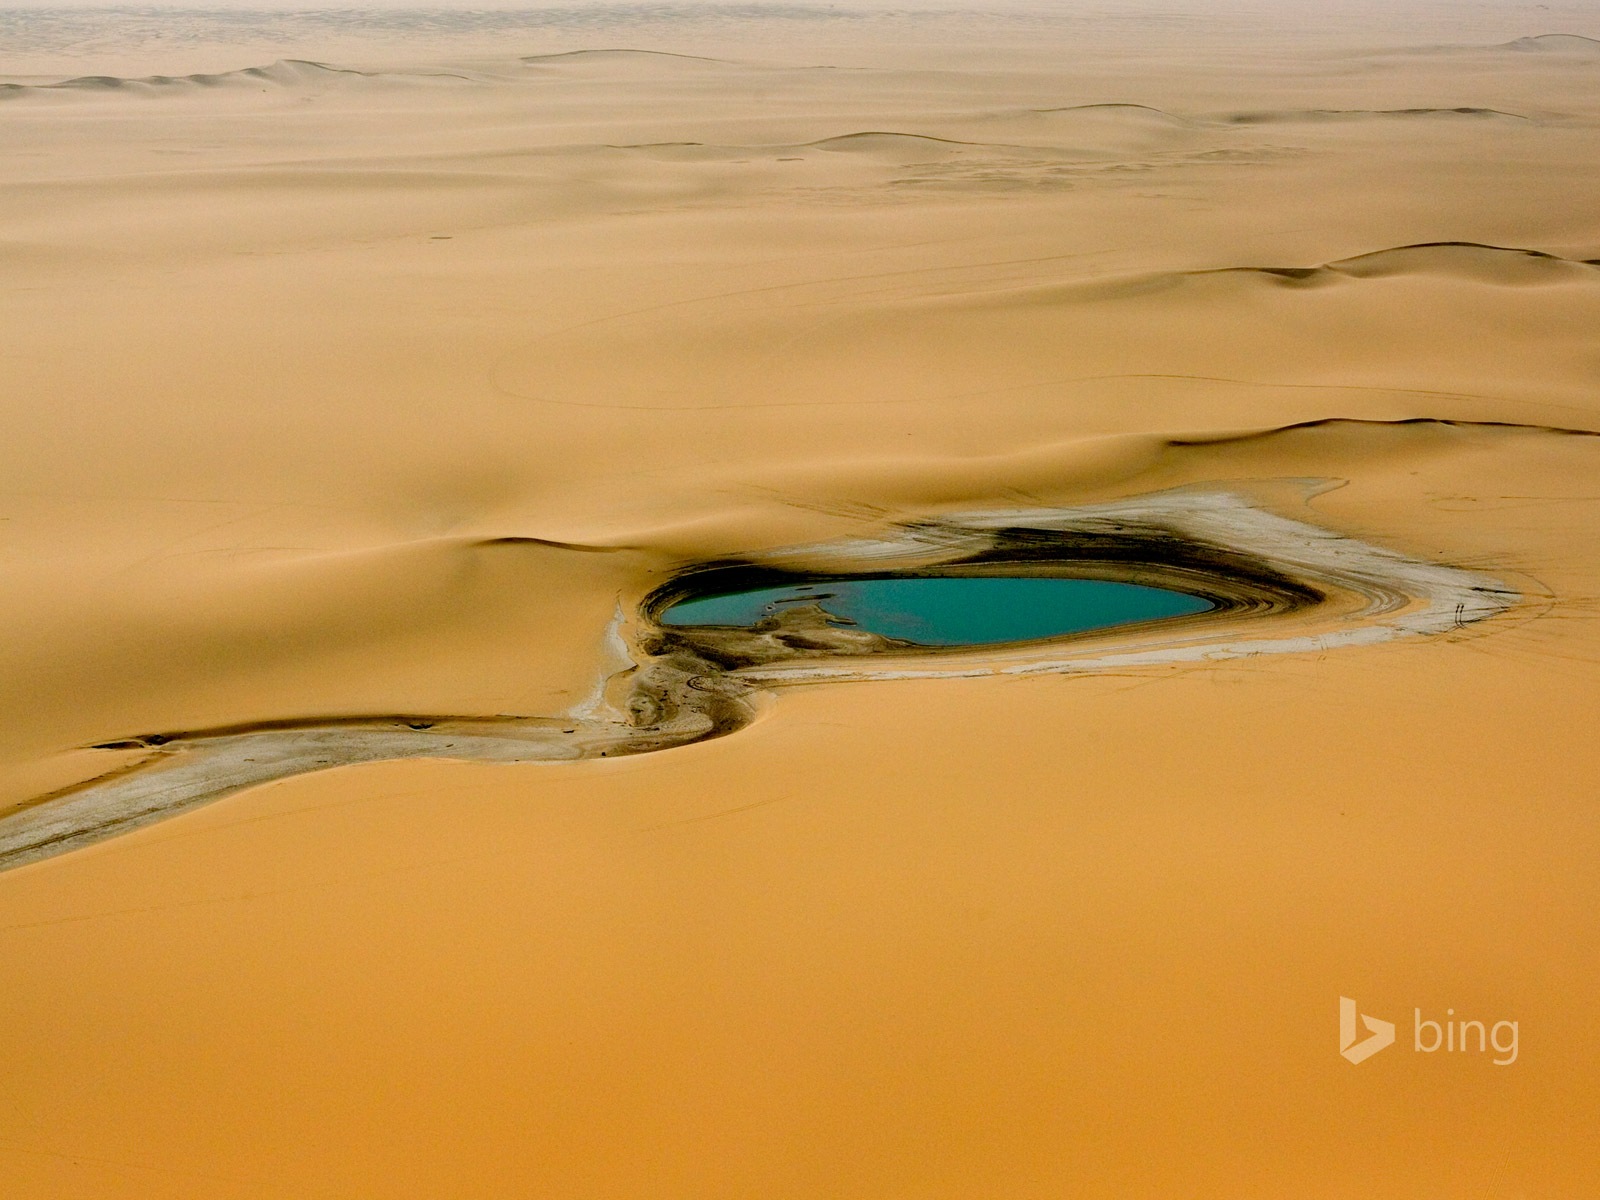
(1379, 1033)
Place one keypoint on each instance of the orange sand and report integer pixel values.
(286, 353)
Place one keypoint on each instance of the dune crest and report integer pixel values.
(1554, 43)
(1117, 110)
(616, 53)
(284, 73)
(1425, 424)
(872, 141)
(1317, 115)
(633, 63)
(868, 149)
(1505, 266)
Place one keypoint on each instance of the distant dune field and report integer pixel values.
(374, 382)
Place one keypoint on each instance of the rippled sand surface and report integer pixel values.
(362, 379)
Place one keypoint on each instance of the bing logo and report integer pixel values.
(1427, 1036)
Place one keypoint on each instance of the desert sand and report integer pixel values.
(362, 380)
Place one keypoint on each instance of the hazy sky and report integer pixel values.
(90, 36)
(1576, 16)
(1555, 11)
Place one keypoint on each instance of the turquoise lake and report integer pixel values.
(951, 610)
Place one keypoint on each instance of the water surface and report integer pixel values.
(951, 610)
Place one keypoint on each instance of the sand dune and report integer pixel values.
(872, 141)
(285, 73)
(1101, 130)
(1495, 265)
(625, 59)
(1122, 111)
(679, 692)
(1275, 586)
(622, 54)
(1133, 120)
(358, 429)
(1351, 424)
(1311, 116)
(1555, 43)
(1110, 347)
(1114, 117)
(881, 145)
